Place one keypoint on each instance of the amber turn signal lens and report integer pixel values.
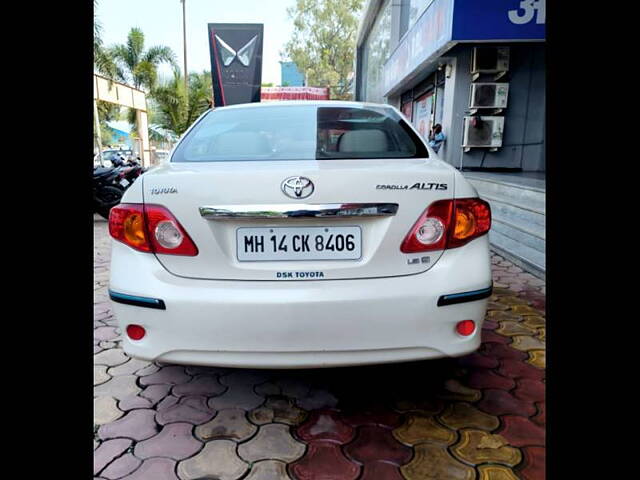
(134, 229)
(465, 224)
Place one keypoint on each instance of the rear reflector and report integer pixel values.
(150, 228)
(448, 224)
(466, 327)
(135, 332)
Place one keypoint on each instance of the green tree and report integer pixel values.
(139, 67)
(323, 43)
(169, 106)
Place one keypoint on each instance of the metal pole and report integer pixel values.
(184, 34)
(97, 136)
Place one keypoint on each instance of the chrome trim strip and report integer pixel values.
(299, 210)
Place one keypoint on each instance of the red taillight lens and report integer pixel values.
(466, 327)
(135, 332)
(150, 228)
(448, 224)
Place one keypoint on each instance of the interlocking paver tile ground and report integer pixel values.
(481, 416)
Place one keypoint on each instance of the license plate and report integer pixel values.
(298, 243)
(124, 182)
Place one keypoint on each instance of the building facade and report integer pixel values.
(477, 68)
(424, 56)
(290, 76)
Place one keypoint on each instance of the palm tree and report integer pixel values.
(138, 67)
(171, 110)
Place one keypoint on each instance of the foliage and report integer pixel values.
(139, 67)
(323, 43)
(171, 111)
(270, 84)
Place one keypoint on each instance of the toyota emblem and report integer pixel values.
(297, 187)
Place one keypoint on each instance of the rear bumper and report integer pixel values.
(271, 324)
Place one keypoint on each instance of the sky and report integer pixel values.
(161, 22)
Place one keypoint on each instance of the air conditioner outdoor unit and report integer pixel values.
(482, 131)
(489, 95)
(490, 59)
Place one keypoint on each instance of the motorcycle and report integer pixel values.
(105, 193)
(128, 172)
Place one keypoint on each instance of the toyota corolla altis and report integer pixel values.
(300, 234)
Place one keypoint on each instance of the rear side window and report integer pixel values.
(299, 132)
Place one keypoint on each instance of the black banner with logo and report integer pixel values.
(236, 62)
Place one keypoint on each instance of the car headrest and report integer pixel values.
(363, 141)
(241, 143)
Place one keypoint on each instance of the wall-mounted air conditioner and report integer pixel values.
(482, 131)
(490, 60)
(489, 95)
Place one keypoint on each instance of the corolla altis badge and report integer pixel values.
(297, 187)
(415, 186)
(244, 55)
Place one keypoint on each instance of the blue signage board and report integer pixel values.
(499, 20)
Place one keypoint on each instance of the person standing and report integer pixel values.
(436, 137)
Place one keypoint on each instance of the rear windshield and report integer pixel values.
(299, 133)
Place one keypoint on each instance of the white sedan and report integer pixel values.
(300, 234)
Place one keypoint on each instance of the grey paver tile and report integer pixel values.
(237, 397)
(174, 441)
(154, 469)
(100, 374)
(272, 442)
(110, 358)
(137, 425)
(121, 466)
(227, 424)
(107, 451)
(201, 385)
(268, 470)
(105, 410)
(218, 459)
(128, 368)
(172, 375)
(118, 387)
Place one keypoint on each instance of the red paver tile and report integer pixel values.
(541, 416)
(500, 351)
(528, 389)
(489, 379)
(324, 461)
(378, 417)
(326, 425)
(489, 336)
(489, 325)
(377, 443)
(516, 369)
(521, 431)
(380, 471)
(500, 402)
(478, 360)
(533, 464)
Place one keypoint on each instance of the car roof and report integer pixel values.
(307, 103)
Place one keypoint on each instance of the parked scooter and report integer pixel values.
(129, 172)
(105, 193)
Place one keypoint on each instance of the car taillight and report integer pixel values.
(150, 228)
(448, 224)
